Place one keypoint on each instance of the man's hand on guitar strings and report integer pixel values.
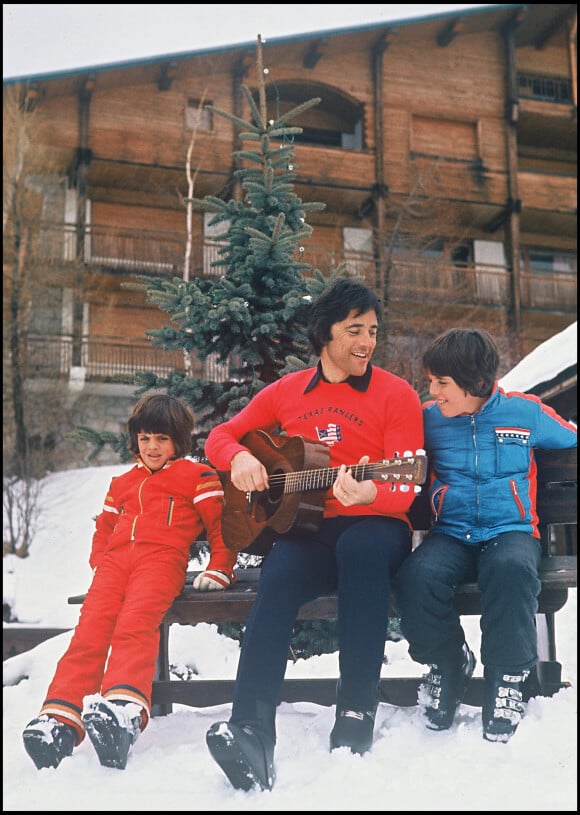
(349, 491)
(248, 474)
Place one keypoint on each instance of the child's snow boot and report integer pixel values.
(112, 727)
(444, 687)
(47, 741)
(502, 703)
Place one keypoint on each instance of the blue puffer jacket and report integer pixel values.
(484, 469)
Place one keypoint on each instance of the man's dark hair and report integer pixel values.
(335, 304)
(468, 355)
(161, 413)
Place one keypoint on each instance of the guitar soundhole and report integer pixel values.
(266, 504)
(276, 489)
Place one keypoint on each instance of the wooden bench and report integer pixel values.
(557, 508)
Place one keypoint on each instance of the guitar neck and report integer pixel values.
(323, 478)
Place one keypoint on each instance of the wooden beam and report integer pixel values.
(315, 52)
(450, 32)
(243, 65)
(31, 97)
(88, 87)
(559, 22)
(387, 38)
(400, 691)
(168, 74)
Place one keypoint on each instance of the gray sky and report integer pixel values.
(60, 36)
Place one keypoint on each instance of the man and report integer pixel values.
(363, 414)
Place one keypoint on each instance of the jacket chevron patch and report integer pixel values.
(519, 433)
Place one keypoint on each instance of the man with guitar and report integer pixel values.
(349, 413)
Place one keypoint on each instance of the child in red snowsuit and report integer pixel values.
(140, 552)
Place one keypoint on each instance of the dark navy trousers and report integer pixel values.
(506, 571)
(357, 558)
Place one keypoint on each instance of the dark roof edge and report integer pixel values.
(563, 381)
(111, 66)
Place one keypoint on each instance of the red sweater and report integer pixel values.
(378, 415)
(171, 506)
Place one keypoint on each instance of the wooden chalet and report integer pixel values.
(444, 148)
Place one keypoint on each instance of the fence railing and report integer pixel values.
(113, 359)
(136, 251)
(162, 253)
(141, 252)
(545, 88)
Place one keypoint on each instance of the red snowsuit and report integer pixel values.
(140, 551)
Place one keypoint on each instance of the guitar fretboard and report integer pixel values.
(407, 470)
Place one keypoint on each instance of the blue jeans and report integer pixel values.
(356, 557)
(506, 571)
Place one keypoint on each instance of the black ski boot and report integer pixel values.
(245, 752)
(444, 687)
(353, 729)
(113, 728)
(47, 741)
(502, 703)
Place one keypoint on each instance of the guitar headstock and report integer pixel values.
(406, 469)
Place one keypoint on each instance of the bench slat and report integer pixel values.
(558, 574)
(401, 691)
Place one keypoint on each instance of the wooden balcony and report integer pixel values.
(130, 251)
(107, 359)
(113, 359)
(161, 253)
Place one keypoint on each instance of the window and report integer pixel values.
(548, 279)
(454, 253)
(196, 116)
(545, 88)
(336, 122)
(543, 261)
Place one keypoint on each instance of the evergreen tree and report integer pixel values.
(255, 313)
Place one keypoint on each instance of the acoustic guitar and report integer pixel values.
(298, 478)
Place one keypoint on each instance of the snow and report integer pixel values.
(408, 769)
(545, 362)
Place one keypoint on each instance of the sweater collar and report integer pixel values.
(359, 383)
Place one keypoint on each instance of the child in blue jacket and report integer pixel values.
(480, 442)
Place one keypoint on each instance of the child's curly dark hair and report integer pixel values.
(161, 413)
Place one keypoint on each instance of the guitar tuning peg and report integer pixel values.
(421, 452)
(417, 488)
(407, 454)
(404, 488)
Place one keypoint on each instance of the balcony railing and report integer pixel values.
(139, 252)
(160, 253)
(114, 359)
(545, 88)
(111, 359)
(470, 284)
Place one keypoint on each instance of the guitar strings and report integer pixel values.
(322, 478)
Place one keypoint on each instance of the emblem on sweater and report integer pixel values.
(330, 434)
